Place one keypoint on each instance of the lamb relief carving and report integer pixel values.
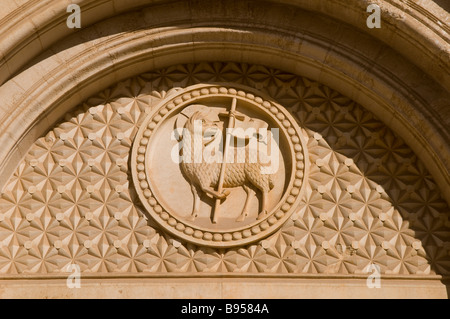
(241, 164)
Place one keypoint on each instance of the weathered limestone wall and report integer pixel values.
(397, 76)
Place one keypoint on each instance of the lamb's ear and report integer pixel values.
(189, 111)
(195, 117)
(200, 115)
(204, 113)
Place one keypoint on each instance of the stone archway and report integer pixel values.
(343, 94)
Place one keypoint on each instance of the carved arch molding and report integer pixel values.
(366, 186)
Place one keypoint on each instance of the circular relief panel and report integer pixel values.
(219, 166)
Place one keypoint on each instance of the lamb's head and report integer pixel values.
(201, 120)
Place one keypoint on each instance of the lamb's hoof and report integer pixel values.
(262, 215)
(242, 217)
(224, 194)
(192, 218)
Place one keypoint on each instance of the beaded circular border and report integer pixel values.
(223, 239)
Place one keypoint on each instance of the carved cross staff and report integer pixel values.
(232, 116)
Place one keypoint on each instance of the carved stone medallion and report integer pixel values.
(219, 166)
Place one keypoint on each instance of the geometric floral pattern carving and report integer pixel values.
(368, 199)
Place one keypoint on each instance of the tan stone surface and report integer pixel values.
(211, 288)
